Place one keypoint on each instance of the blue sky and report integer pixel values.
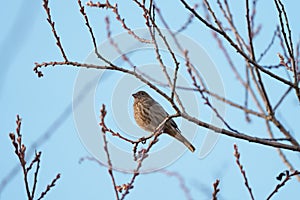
(46, 107)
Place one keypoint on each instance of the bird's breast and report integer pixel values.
(142, 116)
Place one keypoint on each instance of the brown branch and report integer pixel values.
(215, 18)
(228, 16)
(233, 104)
(250, 32)
(111, 65)
(235, 71)
(48, 188)
(259, 84)
(287, 163)
(108, 67)
(288, 176)
(38, 161)
(235, 46)
(216, 189)
(240, 135)
(252, 54)
(20, 150)
(115, 10)
(172, 84)
(285, 132)
(288, 41)
(191, 70)
(110, 167)
(115, 45)
(52, 24)
(126, 59)
(237, 155)
(87, 23)
(280, 152)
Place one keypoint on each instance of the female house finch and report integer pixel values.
(148, 114)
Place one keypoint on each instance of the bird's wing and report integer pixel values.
(160, 114)
(173, 123)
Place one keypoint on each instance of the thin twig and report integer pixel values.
(231, 42)
(119, 18)
(237, 155)
(282, 98)
(52, 24)
(48, 188)
(82, 11)
(269, 45)
(288, 176)
(288, 41)
(252, 54)
(280, 152)
(187, 23)
(37, 157)
(172, 85)
(110, 167)
(216, 189)
(20, 150)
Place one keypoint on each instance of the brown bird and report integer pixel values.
(148, 114)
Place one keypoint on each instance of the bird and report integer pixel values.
(149, 114)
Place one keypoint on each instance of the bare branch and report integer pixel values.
(48, 188)
(288, 176)
(110, 167)
(52, 24)
(20, 150)
(216, 189)
(237, 155)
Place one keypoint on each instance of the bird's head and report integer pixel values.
(141, 95)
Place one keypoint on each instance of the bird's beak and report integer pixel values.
(134, 95)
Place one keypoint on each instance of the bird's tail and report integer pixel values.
(182, 139)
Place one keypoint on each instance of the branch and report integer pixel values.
(216, 189)
(110, 169)
(235, 46)
(48, 188)
(241, 136)
(52, 24)
(20, 150)
(288, 176)
(115, 10)
(237, 155)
